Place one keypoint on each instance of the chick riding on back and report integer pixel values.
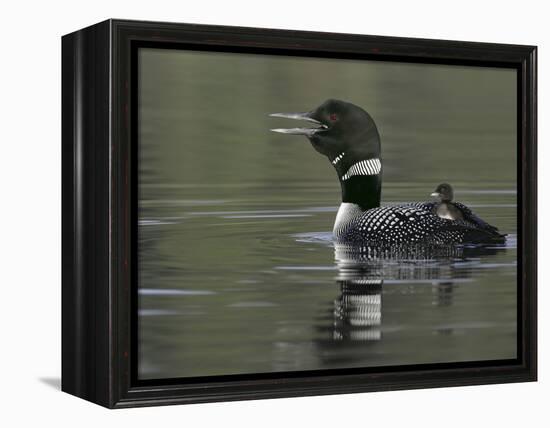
(445, 208)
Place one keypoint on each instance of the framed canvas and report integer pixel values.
(253, 213)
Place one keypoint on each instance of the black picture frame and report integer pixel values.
(98, 216)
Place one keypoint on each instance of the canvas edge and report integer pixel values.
(85, 148)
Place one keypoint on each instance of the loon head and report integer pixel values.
(348, 137)
(443, 193)
(343, 132)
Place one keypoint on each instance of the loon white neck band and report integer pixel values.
(338, 158)
(364, 167)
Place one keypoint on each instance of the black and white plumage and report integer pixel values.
(348, 137)
(413, 223)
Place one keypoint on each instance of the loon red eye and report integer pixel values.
(333, 117)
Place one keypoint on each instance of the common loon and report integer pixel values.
(347, 135)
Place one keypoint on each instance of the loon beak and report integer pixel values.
(299, 131)
(435, 194)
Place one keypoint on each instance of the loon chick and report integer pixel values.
(445, 207)
(347, 135)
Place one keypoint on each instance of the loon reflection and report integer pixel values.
(365, 272)
(358, 310)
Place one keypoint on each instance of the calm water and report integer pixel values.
(238, 273)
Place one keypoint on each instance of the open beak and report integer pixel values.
(299, 131)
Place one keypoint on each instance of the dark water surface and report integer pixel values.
(237, 270)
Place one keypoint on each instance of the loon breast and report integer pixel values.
(347, 212)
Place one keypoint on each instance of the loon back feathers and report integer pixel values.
(470, 218)
(412, 223)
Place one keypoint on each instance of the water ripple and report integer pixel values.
(173, 292)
